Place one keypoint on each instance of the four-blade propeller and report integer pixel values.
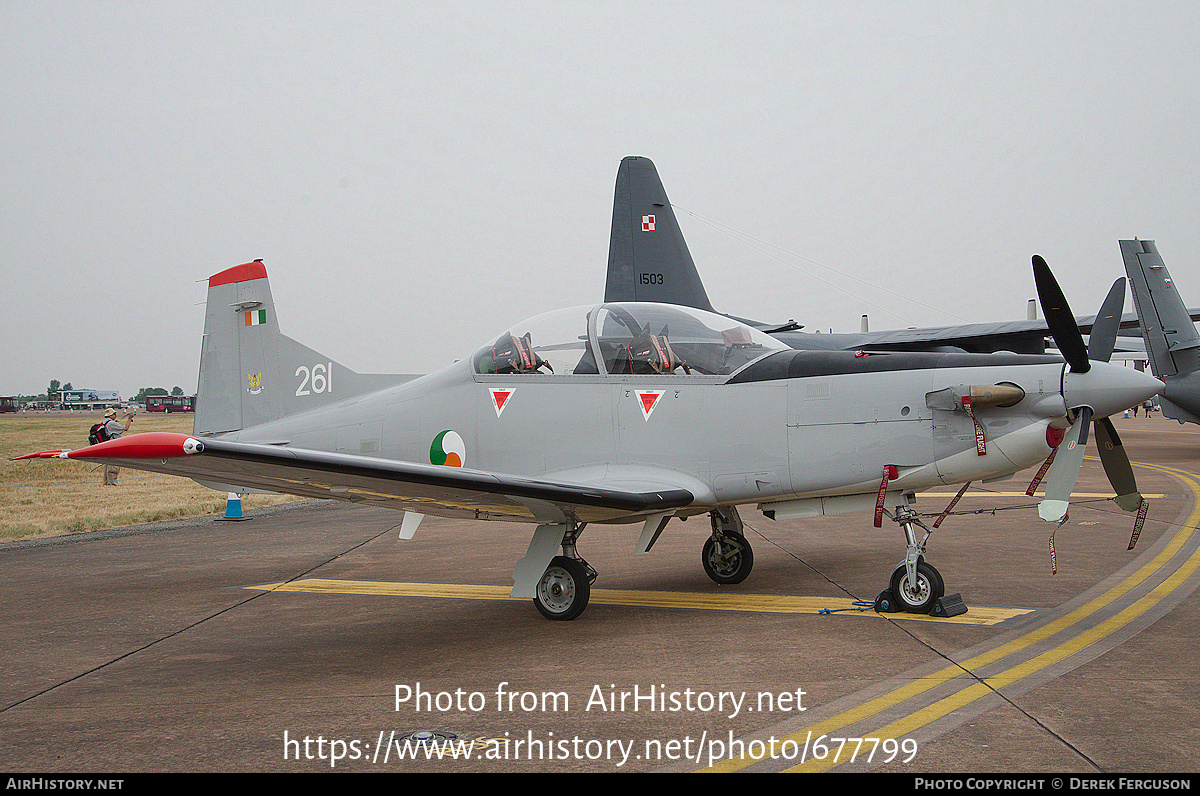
(1068, 457)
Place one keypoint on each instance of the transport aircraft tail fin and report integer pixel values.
(648, 259)
(1171, 339)
(250, 372)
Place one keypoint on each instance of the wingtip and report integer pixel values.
(151, 445)
(58, 454)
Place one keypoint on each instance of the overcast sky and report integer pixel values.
(417, 176)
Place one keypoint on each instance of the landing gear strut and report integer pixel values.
(727, 556)
(915, 585)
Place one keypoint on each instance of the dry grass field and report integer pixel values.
(50, 497)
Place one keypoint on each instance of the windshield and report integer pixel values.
(633, 338)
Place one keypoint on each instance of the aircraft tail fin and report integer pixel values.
(1171, 339)
(648, 259)
(250, 372)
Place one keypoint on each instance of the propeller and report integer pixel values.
(1059, 318)
(1087, 398)
(1108, 444)
(1108, 322)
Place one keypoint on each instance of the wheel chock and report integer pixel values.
(886, 603)
(950, 605)
(947, 606)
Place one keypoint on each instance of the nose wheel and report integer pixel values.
(917, 594)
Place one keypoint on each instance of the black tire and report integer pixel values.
(919, 599)
(564, 590)
(728, 560)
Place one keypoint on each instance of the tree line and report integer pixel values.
(55, 386)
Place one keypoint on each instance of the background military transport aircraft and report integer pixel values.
(648, 260)
(1172, 344)
(634, 413)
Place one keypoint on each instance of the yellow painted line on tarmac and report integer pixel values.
(969, 694)
(754, 603)
(382, 588)
(975, 690)
(969, 493)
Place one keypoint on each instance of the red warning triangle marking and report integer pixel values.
(649, 399)
(500, 396)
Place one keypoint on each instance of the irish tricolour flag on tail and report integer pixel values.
(255, 317)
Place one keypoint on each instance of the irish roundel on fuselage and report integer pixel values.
(448, 449)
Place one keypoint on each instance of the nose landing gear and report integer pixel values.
(917, 594)
(916, 587)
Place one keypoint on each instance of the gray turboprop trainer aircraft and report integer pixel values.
(634, 413)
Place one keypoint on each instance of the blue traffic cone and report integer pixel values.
(233, 508)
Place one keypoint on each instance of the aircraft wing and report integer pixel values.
(422, 488)
(1019, 336)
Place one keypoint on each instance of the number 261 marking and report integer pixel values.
(317, 380)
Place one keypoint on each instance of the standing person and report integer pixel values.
(112, 429)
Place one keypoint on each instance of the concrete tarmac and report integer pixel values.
(314, 639)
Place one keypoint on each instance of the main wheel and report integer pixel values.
(917, 598)
(564, 590)
(728, 560)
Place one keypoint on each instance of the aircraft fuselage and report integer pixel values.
(729, 440)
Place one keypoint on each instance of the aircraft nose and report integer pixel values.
(1108, 388)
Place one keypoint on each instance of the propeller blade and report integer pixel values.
(1108, 322)
(1059, 318)
(1084, 417)
(1060, 481)
(1117, 466)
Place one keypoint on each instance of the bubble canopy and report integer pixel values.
(635, 338)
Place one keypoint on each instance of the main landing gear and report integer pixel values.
(561, 584)
(727, 556)
(565, 587)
